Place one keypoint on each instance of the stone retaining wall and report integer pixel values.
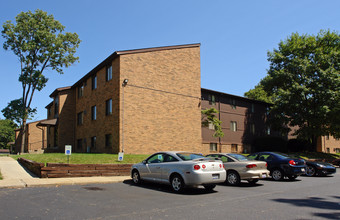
(55, 170)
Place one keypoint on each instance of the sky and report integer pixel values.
(235, 36)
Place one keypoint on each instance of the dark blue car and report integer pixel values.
(280, 165)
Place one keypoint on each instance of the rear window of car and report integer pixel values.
(281, 156)
(239, 157)
(190, 156)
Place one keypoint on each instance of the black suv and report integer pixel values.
(280, 165)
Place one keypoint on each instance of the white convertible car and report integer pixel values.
(179, 169)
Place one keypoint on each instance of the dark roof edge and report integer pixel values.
(240, 97)
(151, 49)
(54, 93)
(124, 52)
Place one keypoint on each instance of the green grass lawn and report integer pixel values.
(89, 158)
(0, 177)
(82, 158)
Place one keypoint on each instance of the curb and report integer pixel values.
(27, 183)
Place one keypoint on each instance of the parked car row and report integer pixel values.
(186, 169)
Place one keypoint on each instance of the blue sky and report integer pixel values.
(235, 36)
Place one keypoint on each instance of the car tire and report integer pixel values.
(310, 171)
(233, 178)
(210, 187)
(277, 174)
(292, 177)
(177, 183)
(253, 181)
(136, 177)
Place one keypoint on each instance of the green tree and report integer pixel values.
(15, 111)
(39, 42)
(209, 116)
(304, 83)
(6, 132)
(258, 93)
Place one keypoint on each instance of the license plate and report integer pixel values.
(216, 176)
(264, 175)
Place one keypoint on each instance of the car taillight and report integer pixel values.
(221, 165)
(292, 162)
(203, 166)
(197, 167)
(251, 165)
(266, 165)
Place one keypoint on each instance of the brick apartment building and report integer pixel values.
(243, 120)
(146, 100)
(127, 101)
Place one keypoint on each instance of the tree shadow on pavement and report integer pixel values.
(317, 203)
(167, 189)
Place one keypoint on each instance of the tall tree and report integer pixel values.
(39, 42)
(304, 83)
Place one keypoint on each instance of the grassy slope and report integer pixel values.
(78, 158)
(85, 158)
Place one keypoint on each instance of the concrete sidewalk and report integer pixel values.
(15, 176)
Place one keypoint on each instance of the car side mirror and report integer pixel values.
(144, 162)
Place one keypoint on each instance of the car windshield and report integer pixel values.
(190, 156)
(238, 157)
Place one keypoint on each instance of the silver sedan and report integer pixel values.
(239, 168)
(179, 169)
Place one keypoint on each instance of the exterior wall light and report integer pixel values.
(125, 82)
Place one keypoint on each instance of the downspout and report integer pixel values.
(219, 118)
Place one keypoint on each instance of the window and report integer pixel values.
(49, 111)
(56, 106)
(268, 132)
(80, 118)
(168, 158)
(233, 103)
(213, 146)
(252, 128)
(327, 137)
(337, 150)
(108, 140)
(108, 73)
(212, 99)
(94, 82)
(93, 142)
(234, 148)
(157, 158)
(252, 108)
(79, 144)
(211, 126)
(328, 150)
(94, 113)
(233, 126)
(81, 91)
(109, 107)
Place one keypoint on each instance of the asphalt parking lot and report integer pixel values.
(304, 198)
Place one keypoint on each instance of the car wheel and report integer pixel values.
(310, 171)
(209, 187)
(292, 177)
(233, 178)
(253, 181)
(177, 183)
(136, 177)
(277, 175)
